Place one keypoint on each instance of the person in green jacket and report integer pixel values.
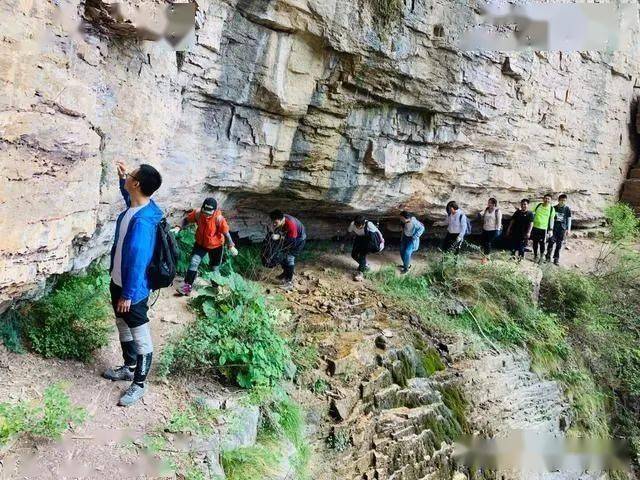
(543, 217)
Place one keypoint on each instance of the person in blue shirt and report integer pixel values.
(131, 255)
(412, 230)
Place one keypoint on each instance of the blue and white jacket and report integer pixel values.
(137, 248)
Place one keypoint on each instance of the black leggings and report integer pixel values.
(359, 252)
(197, 255)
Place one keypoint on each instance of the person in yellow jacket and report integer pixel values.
(543, 217)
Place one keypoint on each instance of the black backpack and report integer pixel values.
(162, 269)
(374, 239)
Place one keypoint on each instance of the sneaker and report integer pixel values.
(405, 270)
(184, 289)
(366, 269)
(287, 285)
(132, 395)
(556, 262)
(118, 373)
(281, 276)
(358, 277)
(547, 259)
(535, 259)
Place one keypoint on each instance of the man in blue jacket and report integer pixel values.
(131, 254)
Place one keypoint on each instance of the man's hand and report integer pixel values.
(549, 234)
(123, 305)
(233, 251)
(122, 169)
(275, 236)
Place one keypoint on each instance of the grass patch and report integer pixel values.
(73, 320)
(48, 417)
(196, 419)
(250, 463)
(235, 334)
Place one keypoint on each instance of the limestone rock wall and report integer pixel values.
(311, 105)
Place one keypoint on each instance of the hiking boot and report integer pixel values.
(132, 395)
(282, 276)
(185, 289)
(358, 277)
(287, 285)
(405, 270)
(118, 373)
(547, 259)
(556, 262)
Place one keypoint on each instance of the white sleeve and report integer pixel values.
(352, 228)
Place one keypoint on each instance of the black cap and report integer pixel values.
(209, 206)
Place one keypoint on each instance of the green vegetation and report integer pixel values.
(623, 223)
(339, 440)
(235, 334)
(70, 322)
(584, 333)
(320, 386)
(11, 331)
(386, 12)
(249, 463)
(431, 361)
(197, 419)
(49, 417)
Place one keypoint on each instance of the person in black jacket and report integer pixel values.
(362, 228)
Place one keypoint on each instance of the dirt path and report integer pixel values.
(336, 313)
(101, 447)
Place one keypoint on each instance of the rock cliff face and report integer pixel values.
(318, 106)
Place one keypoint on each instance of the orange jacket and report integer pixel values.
(211, 230)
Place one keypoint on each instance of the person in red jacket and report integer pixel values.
(211, 233)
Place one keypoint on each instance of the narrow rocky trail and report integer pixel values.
(365, 344)
(102, 446)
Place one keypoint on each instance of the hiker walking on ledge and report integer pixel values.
(367, 239)
(131, 254)
(211, 234)
(457, 227)
(412, 230)
(292, 233)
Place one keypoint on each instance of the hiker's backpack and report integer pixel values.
(271, 252)
(162, 269)
(467, 223)
(375, 241)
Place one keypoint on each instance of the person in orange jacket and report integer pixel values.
(211, 233)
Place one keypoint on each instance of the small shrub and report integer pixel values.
(11, 331)
(339, 440)
(48, 418)
(73, 320)
(305, 357)
(320, 386)
(622, 222)
(235, 333)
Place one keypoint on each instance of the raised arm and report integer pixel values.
(122, 174)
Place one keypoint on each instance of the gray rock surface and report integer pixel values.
(317, 106)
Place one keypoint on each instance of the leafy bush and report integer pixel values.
(339, 440)
(73, 320)
(48, 418)
(234, 333)
(622, 221)
(11, 331)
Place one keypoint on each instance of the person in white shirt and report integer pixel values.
(491, 225)
(367, 239)
(457, 226)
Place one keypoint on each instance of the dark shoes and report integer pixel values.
(118, 373)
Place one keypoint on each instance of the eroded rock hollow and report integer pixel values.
(322, 107)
